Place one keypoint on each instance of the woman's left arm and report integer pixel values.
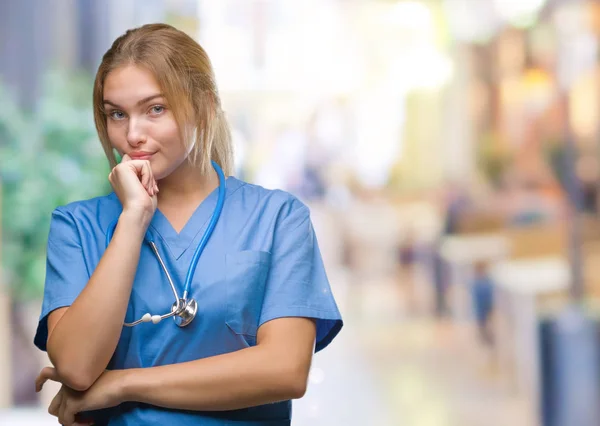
(276, 369)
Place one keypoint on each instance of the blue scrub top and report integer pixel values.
(261, 263)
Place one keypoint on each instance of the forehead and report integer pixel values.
(129, 84)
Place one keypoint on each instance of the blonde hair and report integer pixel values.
(185, 75)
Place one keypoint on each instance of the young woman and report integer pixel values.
(184, 296)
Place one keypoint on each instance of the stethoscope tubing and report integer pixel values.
(181, 303)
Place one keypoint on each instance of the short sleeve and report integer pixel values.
(297, 284)
(66, 271)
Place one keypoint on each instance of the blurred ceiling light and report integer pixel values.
(422, 67)
(471, 20)
(570, 18)
(379, 121)
(410, 15)
(520, 13)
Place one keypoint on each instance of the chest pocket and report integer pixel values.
(245, 280)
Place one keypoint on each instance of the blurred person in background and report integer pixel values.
(482, 292)
(440, 281)
(264, 303)
(408, 254)
(455, 204)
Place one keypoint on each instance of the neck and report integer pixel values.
(186, 185)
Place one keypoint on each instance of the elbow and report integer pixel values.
(73, 374)
(75, 379)
(296, 383)
(297, 390)
(70, 375)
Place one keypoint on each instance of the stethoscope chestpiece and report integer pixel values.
(186, 315)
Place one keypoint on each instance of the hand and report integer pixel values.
(134, 184)
(106, 392)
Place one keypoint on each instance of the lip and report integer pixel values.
(141, 155)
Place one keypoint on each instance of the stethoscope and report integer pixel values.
(183, 310)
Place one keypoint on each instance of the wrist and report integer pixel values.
(135, 223)
(125, 391)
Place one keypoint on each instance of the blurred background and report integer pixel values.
(448, 149)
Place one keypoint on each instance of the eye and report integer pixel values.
(157, 109)
(117, 115)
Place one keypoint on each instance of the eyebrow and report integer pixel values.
(139, 103)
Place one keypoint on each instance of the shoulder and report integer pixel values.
(95, 204)
(96, 210)
(271, 202)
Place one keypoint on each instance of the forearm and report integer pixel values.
(246, 378)
(84, 339)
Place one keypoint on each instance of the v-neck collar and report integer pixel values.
(178, 243)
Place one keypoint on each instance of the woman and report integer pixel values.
(260, 293)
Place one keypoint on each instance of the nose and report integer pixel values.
(135, 133)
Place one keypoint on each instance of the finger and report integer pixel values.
(70, 412)
(154, 186)
(142, 169)
(125, 158)
(61, 410)
(47, 373)
(148, 178)
(150, 173)
(133, 166)
(67, 411)
(55, 404)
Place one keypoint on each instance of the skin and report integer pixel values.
(139, 122)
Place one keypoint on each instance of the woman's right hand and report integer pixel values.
(134, 184)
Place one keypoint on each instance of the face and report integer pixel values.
(139, 121)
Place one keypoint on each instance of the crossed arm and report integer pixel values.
(275, 369)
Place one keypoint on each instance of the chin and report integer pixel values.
(160, 176)
(158, 172)
(162, 172)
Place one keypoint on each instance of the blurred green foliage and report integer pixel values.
(48, 157)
